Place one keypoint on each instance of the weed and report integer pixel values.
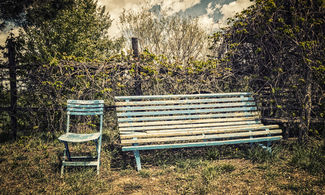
(212, 171)
(131, 186)
(186, 164)
(144, 173)
(126, 172)
(227, 168)
(213, 154)
(311, 159)
(260, 155)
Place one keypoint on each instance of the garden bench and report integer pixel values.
(196, 120)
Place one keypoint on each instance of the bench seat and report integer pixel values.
(193, 120)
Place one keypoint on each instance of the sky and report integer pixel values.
(212, 14)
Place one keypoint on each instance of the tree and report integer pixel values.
(280, 44)
(58, 28)
(174, 36)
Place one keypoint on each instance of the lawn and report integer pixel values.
(31, 164)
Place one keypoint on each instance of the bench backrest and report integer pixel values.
(175, 112)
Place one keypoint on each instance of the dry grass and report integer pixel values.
(32, 165)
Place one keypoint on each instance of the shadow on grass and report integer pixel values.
(173, 157)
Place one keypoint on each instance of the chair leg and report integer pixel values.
(66, 154)
(62, 170)
(98, 149)
(62, 166)
(67, 150)
(137, 159)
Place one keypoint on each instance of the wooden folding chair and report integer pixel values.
(84, 112)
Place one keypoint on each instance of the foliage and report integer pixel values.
(67, 27)
(177, 37)
(279, 46)
(12, 11)
(310, 158)
(77, 78)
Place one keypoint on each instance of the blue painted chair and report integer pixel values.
(80, 111)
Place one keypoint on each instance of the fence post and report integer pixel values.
(13, 86)
(135, 48)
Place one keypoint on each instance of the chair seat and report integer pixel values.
(75, 137)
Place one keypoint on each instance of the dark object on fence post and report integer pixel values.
(13, 86)
(135, 48)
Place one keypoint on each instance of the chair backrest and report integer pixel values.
(85, 108)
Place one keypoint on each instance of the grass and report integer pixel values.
(31, 164)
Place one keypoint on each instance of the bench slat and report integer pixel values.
(180, 117)
(188, 101)
(236, 109)
(198, 131)
(173, 122)
(201, 137)
(202, 144)
(167, 127)
(180, 107)
(183, 96)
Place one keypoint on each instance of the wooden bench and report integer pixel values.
(196, 120)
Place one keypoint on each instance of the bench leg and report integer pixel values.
(137, 159)
(267, 148)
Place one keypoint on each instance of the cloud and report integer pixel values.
(206, 21)
(230, 10)
(171, 6)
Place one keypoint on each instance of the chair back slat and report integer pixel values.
(85, 107)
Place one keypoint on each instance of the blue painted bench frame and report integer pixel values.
(82, 108)
(193, 120)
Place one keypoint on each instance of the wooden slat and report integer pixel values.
(181, 117)
(174, 122)
(236, 109)
(201, 137)
(189, 101)
(182, 96)
(179, 107)
(168, 127)
(201, 144)
(203, 128)
(85, 101)
(198, 132)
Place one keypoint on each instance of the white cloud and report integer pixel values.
(206, 20)
(230, 10)
(171, 6)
